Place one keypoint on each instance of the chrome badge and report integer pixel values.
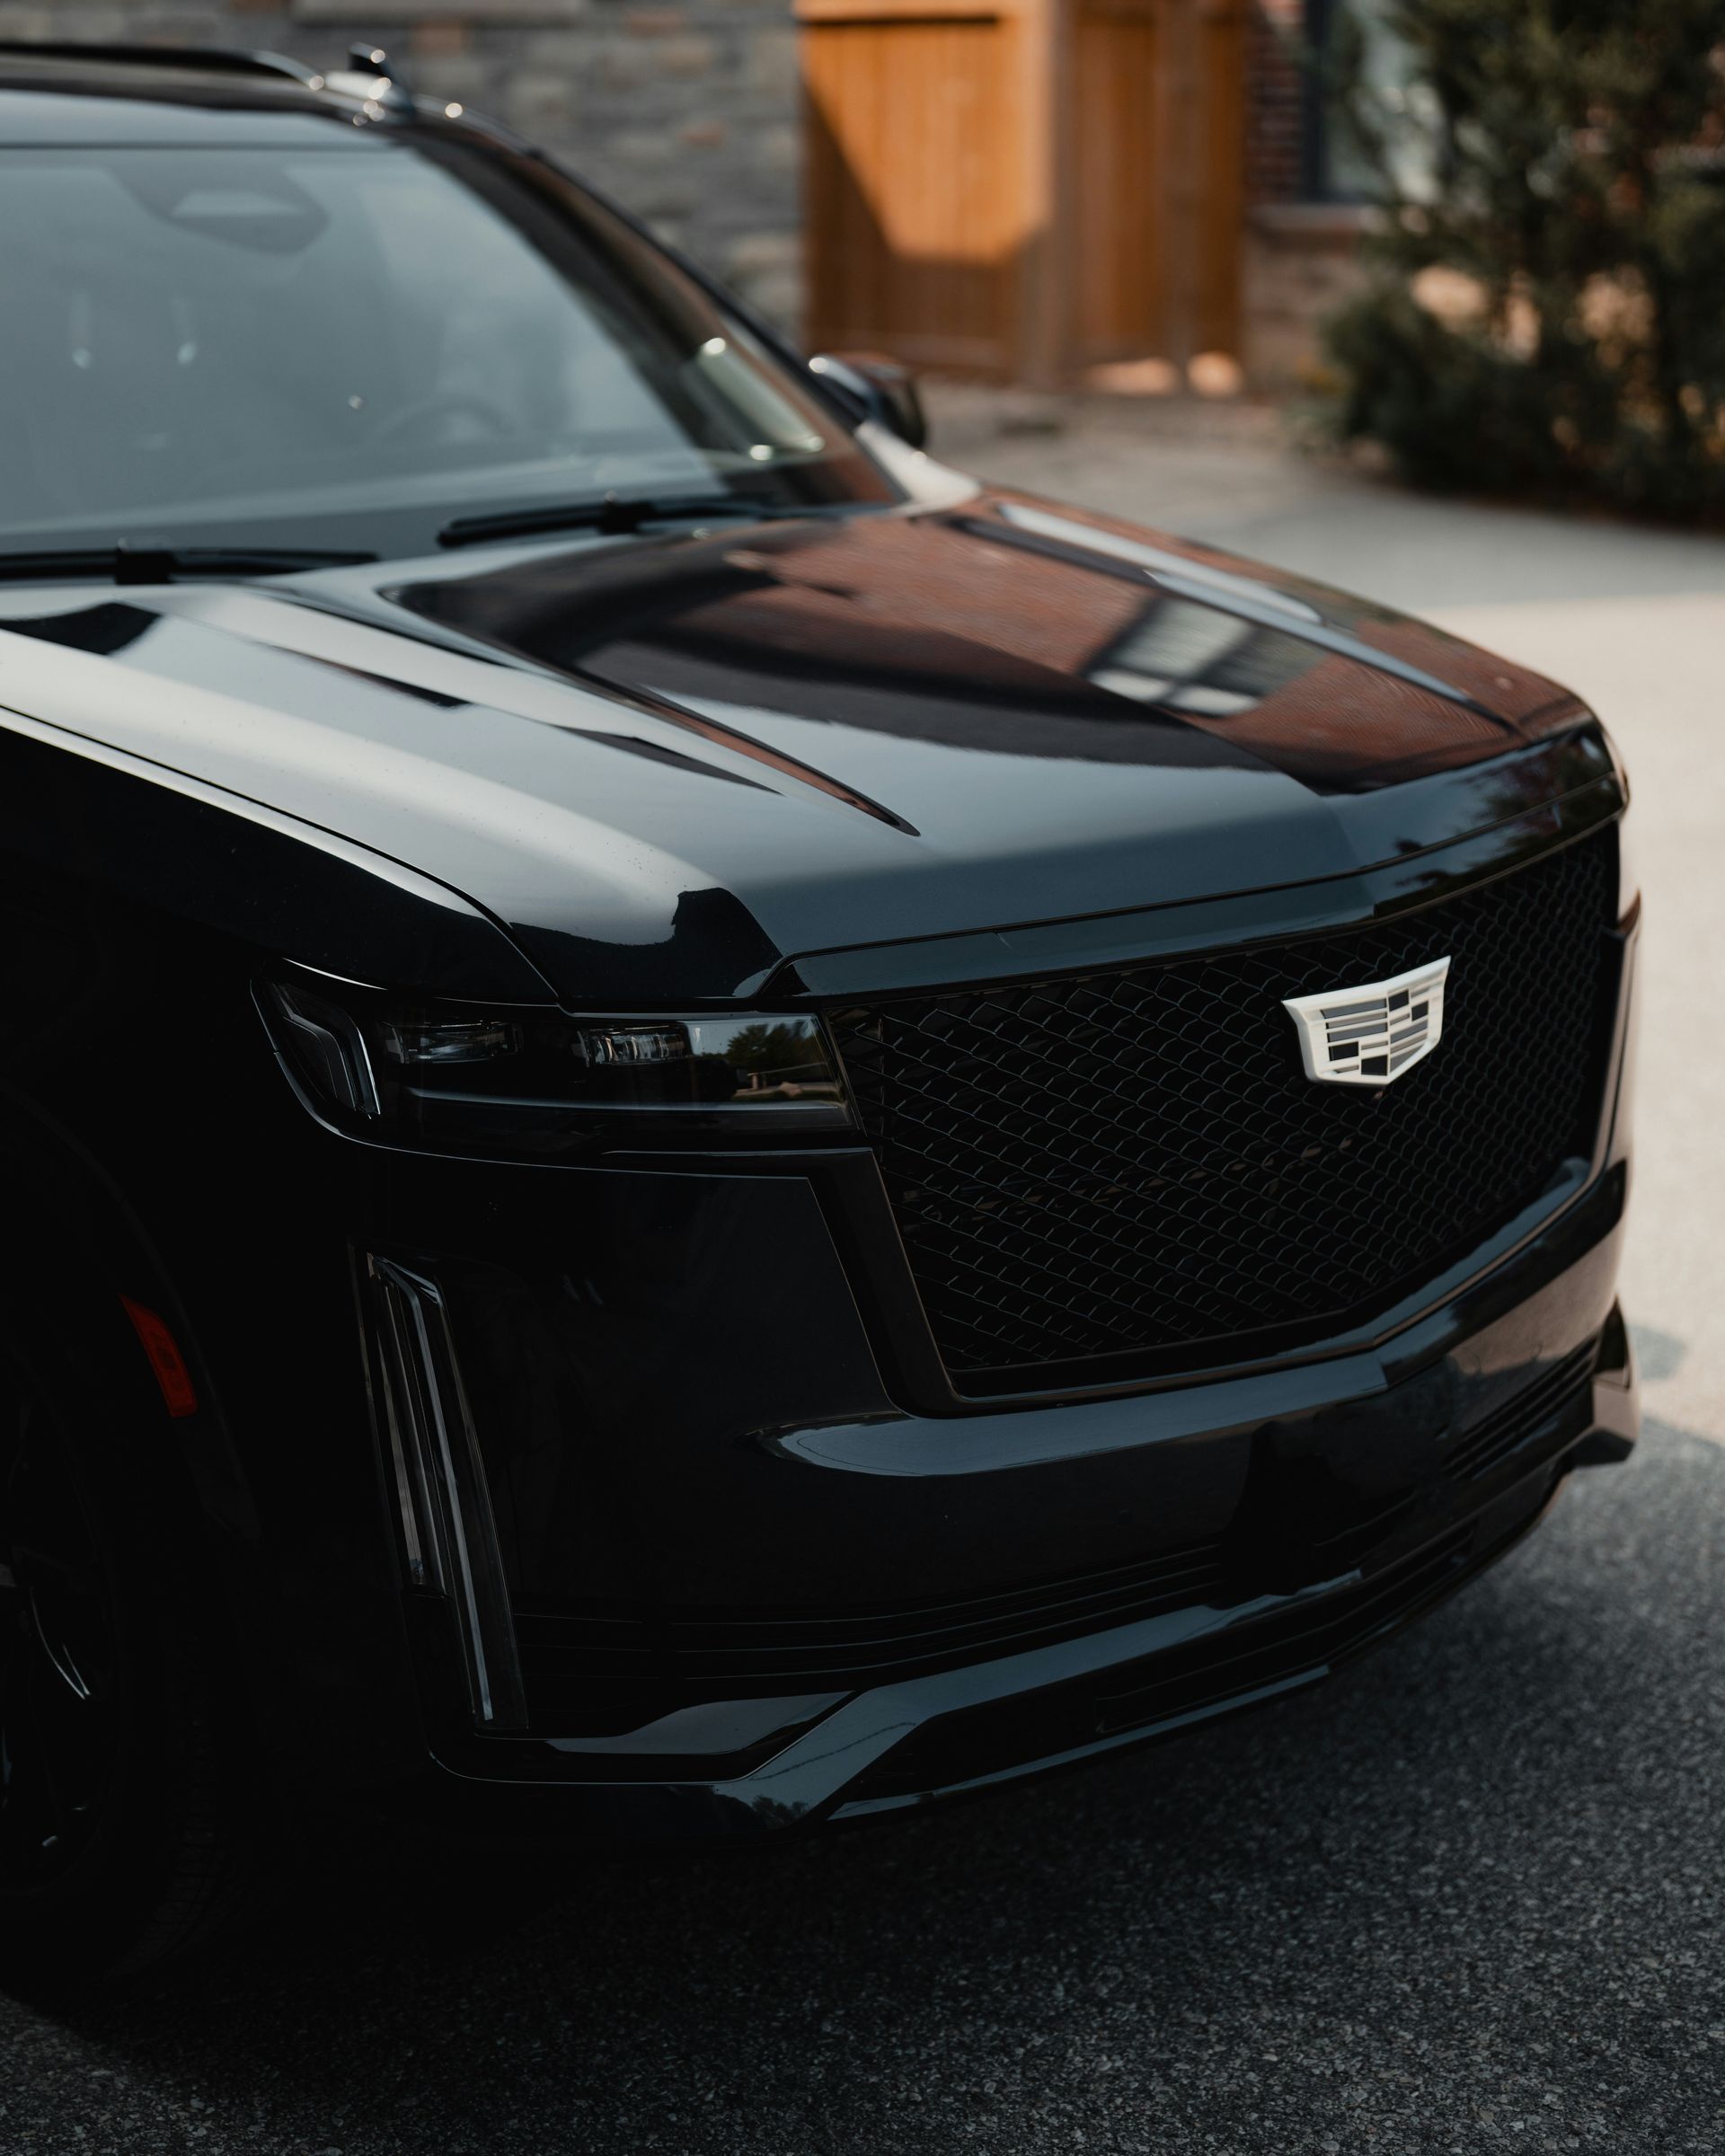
(1370, 1035)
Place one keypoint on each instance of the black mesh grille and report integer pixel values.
(1133, 1162)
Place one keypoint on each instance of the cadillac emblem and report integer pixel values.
(1372, 1035)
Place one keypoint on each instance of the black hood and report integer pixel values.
(667, 764)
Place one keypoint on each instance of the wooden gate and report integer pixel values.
(1022, 189)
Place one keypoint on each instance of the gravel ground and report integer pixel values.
(1465, 1898)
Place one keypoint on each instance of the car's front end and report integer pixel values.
(809, 1143)
(859, 1364)
(1103, 1374)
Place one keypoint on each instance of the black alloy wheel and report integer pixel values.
(58, 1667)
(130, 1823)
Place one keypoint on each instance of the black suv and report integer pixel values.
(704, 1130)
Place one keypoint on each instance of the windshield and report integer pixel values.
(348, 347)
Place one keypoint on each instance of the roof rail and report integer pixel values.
(215, 58)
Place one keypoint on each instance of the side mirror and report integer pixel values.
(876, 388)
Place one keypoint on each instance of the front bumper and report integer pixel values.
(1304, 1515)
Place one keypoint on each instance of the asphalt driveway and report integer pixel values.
(1465, 1898)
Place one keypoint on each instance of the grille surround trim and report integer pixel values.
(1528, 1203)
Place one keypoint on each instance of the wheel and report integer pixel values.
(123, 1840)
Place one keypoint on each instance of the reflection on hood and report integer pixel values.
(1004, 631)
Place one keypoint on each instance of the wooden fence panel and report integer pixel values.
(914, 205)
(1117, 267)
(1024, 188)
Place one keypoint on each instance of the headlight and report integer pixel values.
(460, 1077)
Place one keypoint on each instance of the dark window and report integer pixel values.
(1335, 168)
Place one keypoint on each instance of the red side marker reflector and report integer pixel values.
(179, 1394)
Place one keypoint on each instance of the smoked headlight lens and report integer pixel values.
(538, 1081)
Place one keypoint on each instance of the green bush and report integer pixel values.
(1545, 305)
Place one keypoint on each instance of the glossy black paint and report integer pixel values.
(954, 736)
(842, 779)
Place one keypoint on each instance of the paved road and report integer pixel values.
(1465, 1899)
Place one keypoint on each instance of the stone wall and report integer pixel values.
(684, 110)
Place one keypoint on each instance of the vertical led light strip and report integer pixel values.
(445, 1507)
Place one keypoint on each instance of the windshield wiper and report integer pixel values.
(162, 564)
(607, 513)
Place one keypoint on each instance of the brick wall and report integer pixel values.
(684, 110)
(1302, 258)
(1276, 103)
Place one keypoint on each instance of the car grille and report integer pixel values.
(1131, 1163)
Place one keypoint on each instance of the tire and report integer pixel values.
(125, 1838)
